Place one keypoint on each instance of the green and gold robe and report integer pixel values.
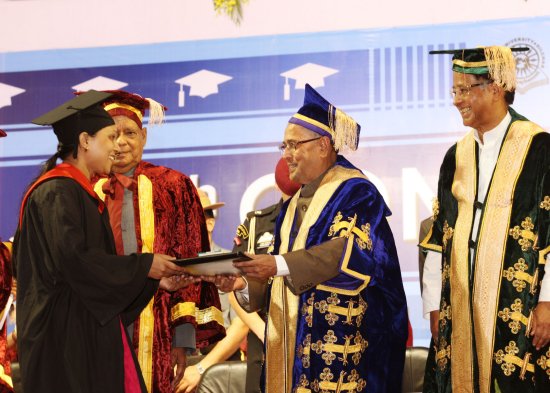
(487, 298)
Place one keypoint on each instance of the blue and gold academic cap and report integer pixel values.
(202, 84)
(82, 113)
(320, 116)
(7, 92)
(311, 73)
(100, 83)
(496, 61)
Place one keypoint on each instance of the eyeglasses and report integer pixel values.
(291, 146)
(463, 91)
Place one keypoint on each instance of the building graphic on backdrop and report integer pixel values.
(407, 77)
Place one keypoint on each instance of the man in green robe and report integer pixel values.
(490, 240)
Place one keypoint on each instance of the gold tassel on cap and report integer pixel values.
(345, 130)
(156, 112)
(502, 66)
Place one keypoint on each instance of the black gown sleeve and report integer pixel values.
(76, 250)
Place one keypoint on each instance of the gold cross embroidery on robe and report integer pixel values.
(447, 233)
(514, 315)
(435, 209)
(544, 362)
(524, 235)
(347, 227)
(518, 275)
(443, 355)
(508, 360)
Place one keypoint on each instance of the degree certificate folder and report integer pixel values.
(211, 264)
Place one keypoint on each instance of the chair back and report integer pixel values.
(413, 373)
(225, 377)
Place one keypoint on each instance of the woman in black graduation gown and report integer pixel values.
(74, 294)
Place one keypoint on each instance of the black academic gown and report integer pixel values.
(73, 293)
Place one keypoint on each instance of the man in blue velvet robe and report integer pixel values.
(337, 314)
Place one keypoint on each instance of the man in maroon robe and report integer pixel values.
(157, 209)
(5, 289)
(6, 384)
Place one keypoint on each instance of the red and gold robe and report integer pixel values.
(6, 384)
(168, 220)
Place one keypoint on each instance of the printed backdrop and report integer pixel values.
(229, 101)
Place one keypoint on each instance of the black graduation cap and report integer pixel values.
(471, 52)
(496, 61)
(82, 113)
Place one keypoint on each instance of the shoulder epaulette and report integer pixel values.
(242, 231)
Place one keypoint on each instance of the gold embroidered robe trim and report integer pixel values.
(347, 292)
(338, 348)
(442, 354)
(182, 309)
(353, 312)
(5, 377)
(209, 314)
(515, 316)
(98, 188)
(201, 316)
(146, 318)
(464, 190)
(336, 387)
(363, 235)
(283, 306)
(509, 359)
(491, 245)
(331, 386)
(9, 246)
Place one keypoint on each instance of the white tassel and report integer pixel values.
(502, 66)
(156, 112)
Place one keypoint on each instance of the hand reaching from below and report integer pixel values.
(177, 282)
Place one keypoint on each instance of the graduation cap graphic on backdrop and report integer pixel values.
(100, 83)
(7, 92)
(202, 84)
(311, 73)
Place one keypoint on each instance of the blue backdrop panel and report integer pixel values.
(228, 140)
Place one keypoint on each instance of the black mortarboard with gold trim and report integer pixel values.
(496, 61)
(82, 113)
